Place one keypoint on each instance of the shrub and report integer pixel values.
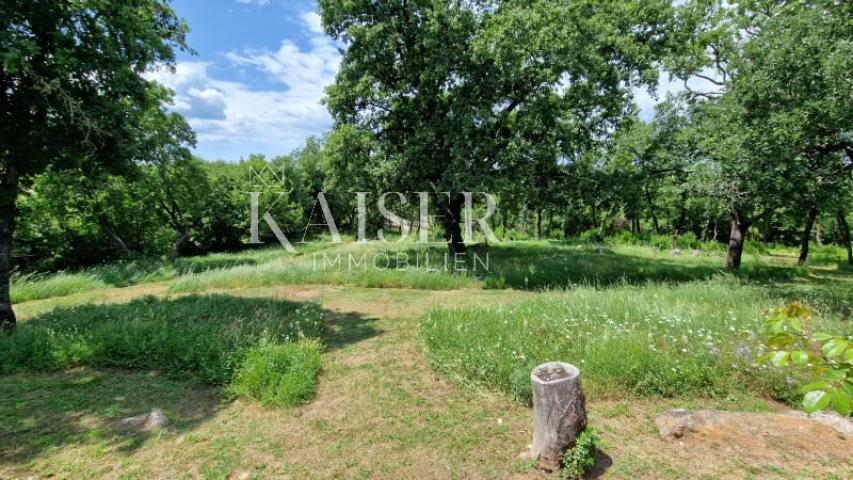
(278, 375)
(592, 236)
(829, 358)
(581, 458)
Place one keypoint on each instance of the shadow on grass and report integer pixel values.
(343, 329)
(102, 363)
(80, 407)
(545, 266)
(603, 462)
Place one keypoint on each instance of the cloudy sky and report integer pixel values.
(256, 82)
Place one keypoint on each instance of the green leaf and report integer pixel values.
(800, 357)
(814, 386)
(780, 340)
(835, 375)
(815, 400)
(780, 359)
(822, 337)
(841, 402)
(848, 356)
(796, 325)
(834, 348)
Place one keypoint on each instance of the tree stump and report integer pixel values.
(559, 414)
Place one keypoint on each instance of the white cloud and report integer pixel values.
(313, 21)
(254, 2)
(232, 117)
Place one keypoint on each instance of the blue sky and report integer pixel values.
(257, 80)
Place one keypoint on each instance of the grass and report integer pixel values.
(30, 287)
(531, 265)
(650, 330)
(278, 375)
(206, 338)
(695, 339)
(355, 265)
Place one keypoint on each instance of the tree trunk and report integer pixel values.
(538, 224)
(736, 238)
(807, 233)
(8, 197)
(117, 241)
(844, 229)
(559, 413)
(183, 236)
(452, 221)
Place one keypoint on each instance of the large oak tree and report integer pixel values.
(72, 92)
(453, 93)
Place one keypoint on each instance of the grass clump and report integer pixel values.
(692, 339)
(34, 287)
(278, 375)
(206, 338)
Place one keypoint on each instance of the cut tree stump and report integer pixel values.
(559, 414)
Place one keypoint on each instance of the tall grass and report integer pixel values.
(29, 287)
(206, 338)
(34, 287)
(370, 266)
(698, 338)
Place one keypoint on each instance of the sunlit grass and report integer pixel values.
(691, 339)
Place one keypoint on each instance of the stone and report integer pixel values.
(151, 421)
(677, 424)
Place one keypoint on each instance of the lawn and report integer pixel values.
(269, 368)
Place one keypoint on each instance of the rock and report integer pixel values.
(676, 424)
(153, 420)
(833, 420)
(675, 251)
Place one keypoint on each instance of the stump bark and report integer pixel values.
(559, 413)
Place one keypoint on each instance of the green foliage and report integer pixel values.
(828, 358)
(278, 375)
(581, 458)
(200, 337)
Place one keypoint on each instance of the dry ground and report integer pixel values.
(380, 412)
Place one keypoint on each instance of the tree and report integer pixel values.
(72, 92)
(779, 120)
(456, 92)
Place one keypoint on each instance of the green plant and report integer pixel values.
(580, 458)
(278, 374)
(828, 357)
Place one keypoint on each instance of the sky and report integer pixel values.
(256, 80)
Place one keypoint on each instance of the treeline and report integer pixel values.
(189, 206)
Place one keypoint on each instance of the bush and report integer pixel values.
(827, 358)
(592, 236)
(278, 375)
(581, 458)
